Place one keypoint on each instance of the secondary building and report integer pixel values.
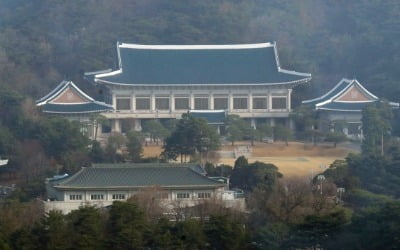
(176, 186)
(70, 102)
(341, 107)
(165, 81)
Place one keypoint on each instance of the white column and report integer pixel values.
(253, 123)
(211, 102)
(191, 100)
(152, 102)
(250, 102)
(171, 102)
(114, 101)
(272, 122)
(289, 100)
(116, 126)
(230, 102)
(137, 125)
(133, 102)
(346, 130)
(269, 102)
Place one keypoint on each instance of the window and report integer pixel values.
(278, 102)
(105, 128)
(240, 103)
(143, 103)
(206, 195)
(259, 103)
(181, 103)
(353, 128)
(162, 195)
(97, 196)
(118, 196)
(162, 103)
(182, 195)
(75, 197)
(123, 103)
(201, 103)
(220, 103)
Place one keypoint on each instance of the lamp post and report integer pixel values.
(340, 191)
(320, 178)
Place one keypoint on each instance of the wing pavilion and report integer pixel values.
(341, 107)
(70, 102)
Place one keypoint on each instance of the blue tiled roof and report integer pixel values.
(331, 100)
(88, 105)
(341, 106)
(342, 85)
(137, 175)
(75, 108)
(200, 65)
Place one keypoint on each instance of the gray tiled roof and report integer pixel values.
(137, 175)
(146, 64)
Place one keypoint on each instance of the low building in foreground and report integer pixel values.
(341, 107)
(175, 186)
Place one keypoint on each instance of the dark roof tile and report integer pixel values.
(136, 175)
(227, 64)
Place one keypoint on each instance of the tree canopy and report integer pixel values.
(191, 135)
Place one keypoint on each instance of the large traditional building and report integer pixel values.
(164, 81)
(341, 107)
(70, 102)
(175, 186)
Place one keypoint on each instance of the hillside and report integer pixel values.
(42, 42)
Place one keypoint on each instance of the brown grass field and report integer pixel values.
(295, 160)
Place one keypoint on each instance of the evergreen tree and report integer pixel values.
(85, 229)
(127, 226)
(376, 120)
(134, 146)
(191, 136)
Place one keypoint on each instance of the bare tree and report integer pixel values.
(289, 201)
(150, 200)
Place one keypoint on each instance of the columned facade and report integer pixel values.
(252, 103)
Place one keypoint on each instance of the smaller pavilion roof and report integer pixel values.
(116, 176)
(347, 95)
(213, 117)
(67, 98)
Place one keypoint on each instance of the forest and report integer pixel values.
(43, 42)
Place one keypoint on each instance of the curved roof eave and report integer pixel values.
(344, 80)
(341, 110)
(60, 89)
(77, 112)
(304, 80)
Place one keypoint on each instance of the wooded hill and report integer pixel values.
(43, 41)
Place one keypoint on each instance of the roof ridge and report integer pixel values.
(61, 88)
(72, 177)
(328, 93)
(144, 165)
(194, 46)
